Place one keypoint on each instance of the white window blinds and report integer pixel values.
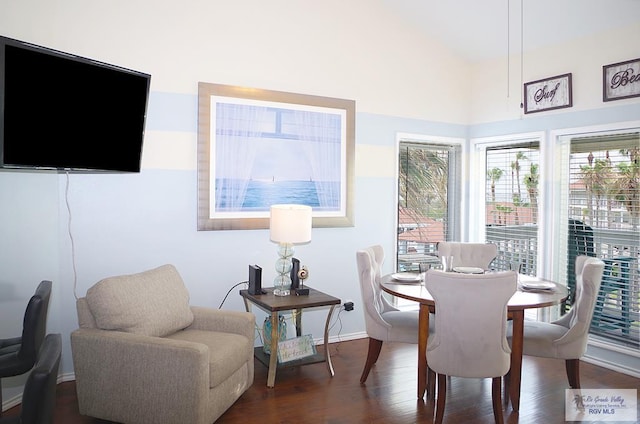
(603, 209)
(511, 201)
(427, 175)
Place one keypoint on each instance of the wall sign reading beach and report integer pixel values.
(621, 80)
(547, 94)
(260, 147)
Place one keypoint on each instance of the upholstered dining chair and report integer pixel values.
(470, 330)
(384, 322)
(18, 354)
(478, 255)
(567, 337)
(39, 396)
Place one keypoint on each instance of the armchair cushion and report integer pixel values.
(150, 303)
(227, 334)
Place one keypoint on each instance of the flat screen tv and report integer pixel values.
(65, 112)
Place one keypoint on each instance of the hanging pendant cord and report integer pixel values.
(508, 50)
(521, 54)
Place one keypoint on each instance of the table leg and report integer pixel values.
(247, 305)
(423, 335)
(273, 358)
(515, 373)
(297, 319)
(327, 355)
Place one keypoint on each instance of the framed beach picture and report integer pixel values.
(261, 147)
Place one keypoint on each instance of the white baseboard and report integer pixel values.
(346, 337)
(611, 366)
(612, 356)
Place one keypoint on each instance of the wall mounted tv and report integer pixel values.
(65, 112)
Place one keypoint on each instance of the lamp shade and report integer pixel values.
(290, 224)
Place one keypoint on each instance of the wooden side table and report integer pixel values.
(273, 304)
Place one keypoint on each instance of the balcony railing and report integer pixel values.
(617, 312)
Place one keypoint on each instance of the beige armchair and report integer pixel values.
(143, 355)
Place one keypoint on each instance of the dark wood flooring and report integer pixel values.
(308, 395)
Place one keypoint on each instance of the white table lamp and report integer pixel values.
(288, 225)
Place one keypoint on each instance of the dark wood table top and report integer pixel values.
(270, 302)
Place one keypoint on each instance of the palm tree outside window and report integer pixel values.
(511, 203)
(428, 178)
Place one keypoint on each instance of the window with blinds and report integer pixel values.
(602, 195)
(427, 179)
(511, 201)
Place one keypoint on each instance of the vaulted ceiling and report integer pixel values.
(477, 29)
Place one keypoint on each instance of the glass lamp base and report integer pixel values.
(282, 285)
(282, 282)
(281, 292)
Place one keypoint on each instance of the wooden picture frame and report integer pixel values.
(548, 94)
(261, 147)
(621, 80)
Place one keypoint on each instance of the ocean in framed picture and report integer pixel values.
(259, 195)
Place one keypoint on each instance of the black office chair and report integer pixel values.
(18, 354)
(39, 396)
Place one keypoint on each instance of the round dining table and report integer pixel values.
(521, 300)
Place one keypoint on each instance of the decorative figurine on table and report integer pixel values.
(303, 274)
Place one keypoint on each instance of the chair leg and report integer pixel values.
(375, 346)
(441, 398)
(573, 372)
(496, 398)
(507, 386)
(431, 383)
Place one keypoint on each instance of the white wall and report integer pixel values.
(400, 81)
(128, 223)
(492, 100)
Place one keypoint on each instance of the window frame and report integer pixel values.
(559, 149)
(477, 201)
(456, 194)
(477, 167)
(561, 140)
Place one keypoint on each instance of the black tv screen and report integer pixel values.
(66, 112)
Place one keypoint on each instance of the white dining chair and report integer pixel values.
(383, 321)
(470, 330)
(478, 255)
(567, 337)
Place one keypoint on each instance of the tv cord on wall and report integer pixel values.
(73, 249)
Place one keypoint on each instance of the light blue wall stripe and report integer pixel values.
(576, 119)
(179, 112)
